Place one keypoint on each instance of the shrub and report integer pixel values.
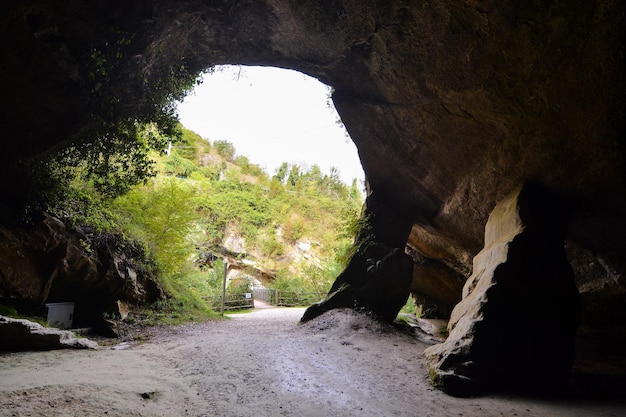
(178, 166)
(225, 149)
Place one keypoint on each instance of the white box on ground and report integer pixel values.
(60, 315)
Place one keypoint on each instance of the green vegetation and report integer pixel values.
(8, 311)
(129, 115)
(296, 226)
(411, 308)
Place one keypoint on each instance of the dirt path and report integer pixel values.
(261, 364)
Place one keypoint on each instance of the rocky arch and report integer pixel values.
(452, 106)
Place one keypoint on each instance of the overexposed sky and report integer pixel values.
(272, 116)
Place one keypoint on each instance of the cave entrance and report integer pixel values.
(274, 118)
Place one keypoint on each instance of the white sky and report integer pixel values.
(272, 116)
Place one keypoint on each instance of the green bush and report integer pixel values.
(239, 286)
(160, 216)
(270, 246)
(178, 166)
(239, 203)
(8, 311)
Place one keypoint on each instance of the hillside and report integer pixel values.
(207, 205)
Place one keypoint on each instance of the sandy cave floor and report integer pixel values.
(258, 364)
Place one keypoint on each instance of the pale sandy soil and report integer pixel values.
(261, 364)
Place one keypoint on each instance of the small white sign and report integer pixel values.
(248, 295)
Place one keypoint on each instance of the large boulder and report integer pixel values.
(516, 325)
(436, 287)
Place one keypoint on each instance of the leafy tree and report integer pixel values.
(354, 190)
(225, 149)
(281, 173)
(113, 149)
(179, 166)
(191, 145)
(160, 216)
(242, 162)
(241, 203)
(294, 175)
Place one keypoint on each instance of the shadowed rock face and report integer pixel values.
(382, 289)
(516, 325)
(377, 279)
(49, 263)
(452, 105)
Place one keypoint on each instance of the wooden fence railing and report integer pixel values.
(242, 301)
(238, 301)
(288, 298)
(264, 294)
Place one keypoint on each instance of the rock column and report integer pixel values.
(378, 276)
(515, 326)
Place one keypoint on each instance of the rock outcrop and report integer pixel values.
(378, 276)
(452, 105)
(50, 263)
(436, 288)
(19, 334)
(381, 290)
(516, 325)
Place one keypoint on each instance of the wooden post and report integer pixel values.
(224, 288)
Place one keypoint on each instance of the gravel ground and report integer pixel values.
(258, 364)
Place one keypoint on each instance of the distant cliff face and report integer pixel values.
(451, 105)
